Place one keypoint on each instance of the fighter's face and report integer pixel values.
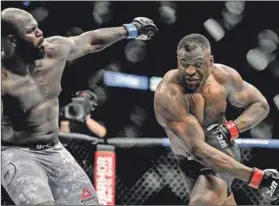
(33, 34)
(30, 39)
(194, 68)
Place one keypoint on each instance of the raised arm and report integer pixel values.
(243, 94)
(94, 41)
(97, 40)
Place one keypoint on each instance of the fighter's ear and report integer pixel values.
(211, 60)
(12, 39)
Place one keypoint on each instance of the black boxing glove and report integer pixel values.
(267, 181)
(218, 136)
(227, 131)
(141, 28)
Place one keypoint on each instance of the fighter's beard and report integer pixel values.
(29, 52)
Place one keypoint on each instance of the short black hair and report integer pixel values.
(192, 41)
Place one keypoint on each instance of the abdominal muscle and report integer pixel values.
(39, 125)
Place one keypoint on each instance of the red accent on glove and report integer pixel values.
(233, 130)
(256, 178)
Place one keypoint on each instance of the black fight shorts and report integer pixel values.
(191, 169)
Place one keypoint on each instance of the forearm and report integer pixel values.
(219, 161)
(107, 36)
(252, 116)
(96, 127)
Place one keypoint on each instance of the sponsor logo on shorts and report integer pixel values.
(8, 174)
(86, 195)
(43, 146)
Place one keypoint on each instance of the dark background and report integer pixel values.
(161, 53)
(116, 111)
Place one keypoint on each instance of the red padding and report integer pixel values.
(256, 178)
(233, 130)
(104, 177)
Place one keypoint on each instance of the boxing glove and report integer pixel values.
(228, 130)
(267, 181)
(218, 137)
(141, 28)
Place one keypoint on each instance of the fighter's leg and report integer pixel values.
(208, 190)
(70, 184)
(23, 178)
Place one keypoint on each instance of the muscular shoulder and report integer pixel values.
(58, 46)
(227, 76)
(168, 95)
(168, 85)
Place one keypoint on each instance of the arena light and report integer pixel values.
(230, 19)
(102, 12)
(117, 79)
(154, 81)
(257, 59)
(214, 29)
(74, 31)
(135, 51)
(276, 101)
(268, 40)
(235, 7)
(167, 12)
(40, 13)
(274, 68)
(26, 3)
(262, 131)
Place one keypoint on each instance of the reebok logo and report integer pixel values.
(86, 195)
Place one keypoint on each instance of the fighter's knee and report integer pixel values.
(202, 200)
(48, 202)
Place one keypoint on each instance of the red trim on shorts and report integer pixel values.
(233, 130)
(256, 178)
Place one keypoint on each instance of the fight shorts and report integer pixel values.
(192, 169)
(45, 173)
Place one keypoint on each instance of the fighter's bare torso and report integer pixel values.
(30, 101)
(208, 104)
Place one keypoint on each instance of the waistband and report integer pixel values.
(31, 146)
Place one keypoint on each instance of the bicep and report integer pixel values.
(188, 130)
(244, 95)
(82, 45)
(171, 112)
(240, 92)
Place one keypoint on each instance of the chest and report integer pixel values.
(25, 92)
(209, 105)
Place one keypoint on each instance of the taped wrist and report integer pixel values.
(132, 31)
(256, 178)
(233, 130)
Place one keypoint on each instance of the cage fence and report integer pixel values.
(151, 175)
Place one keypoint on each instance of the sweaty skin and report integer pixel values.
(30, 91)
(184, 116)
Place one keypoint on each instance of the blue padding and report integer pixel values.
(132, 31)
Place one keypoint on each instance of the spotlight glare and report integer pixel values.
(214, 29)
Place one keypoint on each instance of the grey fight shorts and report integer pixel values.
(52, 174)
